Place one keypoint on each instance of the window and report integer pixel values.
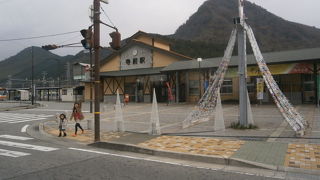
(251, 85)
(128, 61)
(135, 61)
(142, 60)
(64, 92)
(227, 86)
(194, 87)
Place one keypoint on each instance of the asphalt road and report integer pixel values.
(33, 156)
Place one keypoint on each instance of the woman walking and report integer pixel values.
(77, 116)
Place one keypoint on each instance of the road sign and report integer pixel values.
(260, 88)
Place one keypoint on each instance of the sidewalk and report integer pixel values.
(293, 157)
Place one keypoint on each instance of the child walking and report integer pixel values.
(62, 125)
(77, 116)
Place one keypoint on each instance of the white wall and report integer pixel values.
(68, 96)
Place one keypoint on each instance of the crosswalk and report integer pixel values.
(14, 118)
(6, 141)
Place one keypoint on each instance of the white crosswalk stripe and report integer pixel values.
(14, 118)
(15, 137)
(14, 153)
(27, 146)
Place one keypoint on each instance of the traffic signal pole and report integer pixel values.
(96, 25)
(91, 78)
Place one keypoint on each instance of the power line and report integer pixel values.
(37, 37)
(69, 39)
(107, 16)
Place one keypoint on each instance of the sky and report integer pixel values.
(28, 18)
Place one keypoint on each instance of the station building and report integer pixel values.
(146, 62)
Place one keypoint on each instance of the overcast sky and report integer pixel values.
(25, 18)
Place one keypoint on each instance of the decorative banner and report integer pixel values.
(205, 108)
(260, 88)
(275, 69)
(170, 96)
(287, 110)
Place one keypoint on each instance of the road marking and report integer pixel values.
(54, 110)
(14, 122)
(14, 118)
(15, 137)
(27, 146)
(165, 162)
(24, 128)
(15, 154)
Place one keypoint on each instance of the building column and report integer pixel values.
(48, 95)
(187, 86)
(316, 81)
(177, 87)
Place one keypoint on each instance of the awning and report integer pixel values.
(282, 57)
(132, 72)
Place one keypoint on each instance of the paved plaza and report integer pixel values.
(271, 125)
(273, 143)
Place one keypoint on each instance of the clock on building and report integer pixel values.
(134, 52)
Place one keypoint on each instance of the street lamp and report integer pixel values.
(32, 74)
(199, 62)
(52, 47)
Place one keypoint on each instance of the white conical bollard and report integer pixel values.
(219, 120)
(250, 117)
(154, 123)
(119, 124)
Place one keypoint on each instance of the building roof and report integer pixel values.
(82, 64)
(140, 43)
(270, 58)
(132, 72)
(154, 36)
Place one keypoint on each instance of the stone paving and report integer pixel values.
(306, 156)
(266, 117)
(86, 137)
(194, 145)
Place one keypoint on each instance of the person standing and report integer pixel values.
(77, 116)
(62, 125)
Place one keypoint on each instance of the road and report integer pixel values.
(33, 155)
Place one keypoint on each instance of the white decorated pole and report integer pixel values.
(219, 120)
(250, 117)
(119, 124)
(241, 11)
(154, 123)
(242, 54)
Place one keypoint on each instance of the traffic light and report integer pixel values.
(49, 47)
(87, 42)
(116, 40)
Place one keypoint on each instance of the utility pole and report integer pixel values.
(32, 74)
(91, 89)
(242, 68)
(96, 25)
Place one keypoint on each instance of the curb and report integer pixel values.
(184, 156)
(175, 155)
(19, 107)
(201, 158)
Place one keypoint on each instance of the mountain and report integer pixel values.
(212, 23)
(19, 66)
